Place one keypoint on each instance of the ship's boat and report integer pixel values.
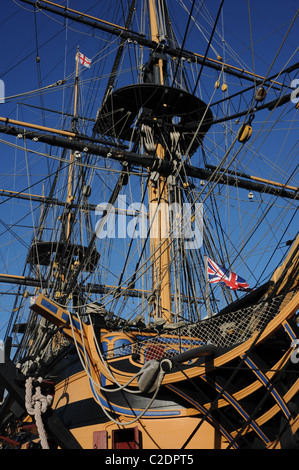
(130, 222)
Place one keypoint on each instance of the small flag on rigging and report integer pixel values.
(83, 60)
(218, 274)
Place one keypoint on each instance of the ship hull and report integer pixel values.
(243, 396)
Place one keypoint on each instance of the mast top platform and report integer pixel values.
(174, 109)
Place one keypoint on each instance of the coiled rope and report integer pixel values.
(36, 405)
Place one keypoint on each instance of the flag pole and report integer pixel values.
(207, 288)
(70, 196)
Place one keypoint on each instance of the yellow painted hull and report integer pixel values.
(202, 406)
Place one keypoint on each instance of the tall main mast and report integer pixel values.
(158, 210)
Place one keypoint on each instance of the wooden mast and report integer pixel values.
(159, 213)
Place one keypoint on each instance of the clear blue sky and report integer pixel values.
(20, 37)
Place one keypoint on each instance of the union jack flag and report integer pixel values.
(218, 274)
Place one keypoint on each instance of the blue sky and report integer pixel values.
(22, 35)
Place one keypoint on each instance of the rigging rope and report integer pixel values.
(208, 46)
(183, 44)
(120, 387)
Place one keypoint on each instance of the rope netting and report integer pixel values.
(221, 330)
